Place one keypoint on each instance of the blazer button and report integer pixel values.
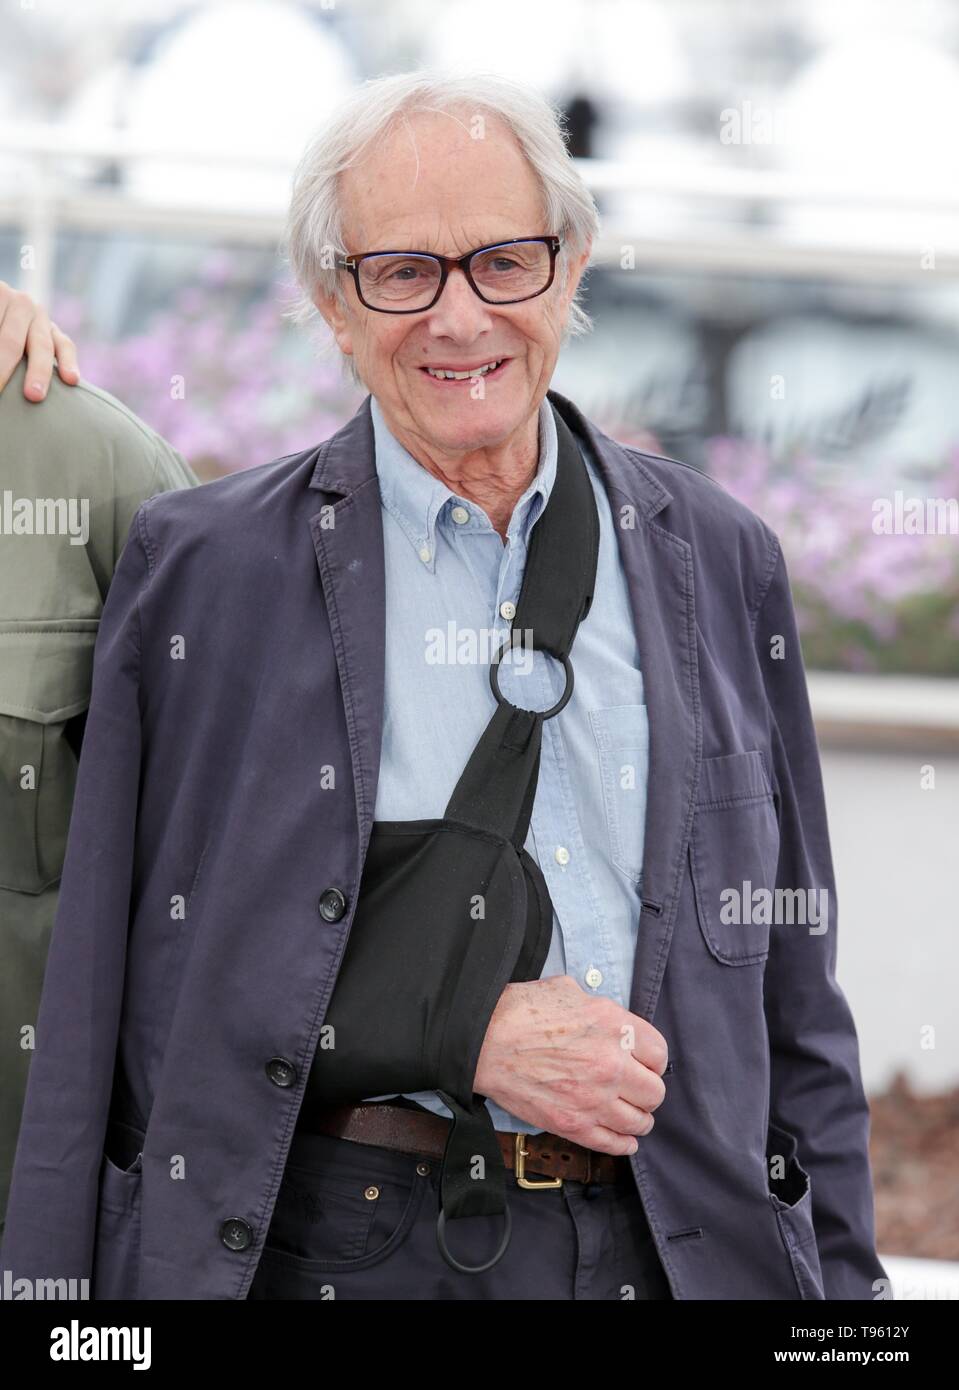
(280, 1071)
(332, 904)
(236, 1234)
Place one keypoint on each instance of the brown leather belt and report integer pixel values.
(420, 1131)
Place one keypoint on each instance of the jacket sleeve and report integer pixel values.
(52, 1208)
(816, 1085)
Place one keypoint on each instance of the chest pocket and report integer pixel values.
(45, 676)
(622, 738)
(734, 856)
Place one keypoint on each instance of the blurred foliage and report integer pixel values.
(865, 600)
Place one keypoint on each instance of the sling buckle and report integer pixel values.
(563, 700)
(454, 1263)
(519, 1161)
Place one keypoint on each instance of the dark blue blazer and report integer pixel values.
(241, 652)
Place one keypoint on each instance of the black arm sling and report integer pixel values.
(451, 911)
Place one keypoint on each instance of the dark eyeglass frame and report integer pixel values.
(448, 263)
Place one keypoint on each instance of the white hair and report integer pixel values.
(314, 229)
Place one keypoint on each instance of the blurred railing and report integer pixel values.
(46, 198)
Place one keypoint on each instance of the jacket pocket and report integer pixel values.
(791, 1199)
(45, 676)
(116, 1258)
(734, 857)
(622, 739)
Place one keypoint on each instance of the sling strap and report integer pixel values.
(498, 785)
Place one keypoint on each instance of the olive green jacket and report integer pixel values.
(78, 465)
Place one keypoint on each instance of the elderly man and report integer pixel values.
(292, 676)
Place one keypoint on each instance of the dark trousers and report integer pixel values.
(357, 1221)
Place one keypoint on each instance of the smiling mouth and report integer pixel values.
(454, 374)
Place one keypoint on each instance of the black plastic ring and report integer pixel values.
(471, 1269)
(561, 703)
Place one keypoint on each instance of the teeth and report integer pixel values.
(463, 376)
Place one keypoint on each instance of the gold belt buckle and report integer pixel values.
(520, 1157)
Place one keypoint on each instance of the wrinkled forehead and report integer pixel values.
(440, 181)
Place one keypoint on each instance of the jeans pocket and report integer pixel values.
(324, 1222)
(622, 738)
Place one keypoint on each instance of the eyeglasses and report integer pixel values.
(407, 282)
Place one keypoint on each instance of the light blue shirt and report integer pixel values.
(448, 573)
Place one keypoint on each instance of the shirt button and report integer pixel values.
(594, 977)
(280, 1071)
(331, 905)
(562, 854)
(459, 515)
(425, 554)
(507, 610)
(236, 1234)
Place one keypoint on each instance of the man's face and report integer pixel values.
(449, 194)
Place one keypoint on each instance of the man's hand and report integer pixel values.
(573, 1063)
(26, 327)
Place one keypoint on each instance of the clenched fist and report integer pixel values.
(573, 1063)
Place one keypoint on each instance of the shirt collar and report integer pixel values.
(420, 503)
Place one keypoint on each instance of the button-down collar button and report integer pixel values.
(280, 1071)
(459, 515)
(425, 554)
(594, 977)
(562, 854)
(507, 610)
(236, 1234)
(332, 905)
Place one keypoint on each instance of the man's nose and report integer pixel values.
(459, 312)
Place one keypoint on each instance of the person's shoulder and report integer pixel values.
(83, 437)
(141, 444)
(723, 533)
(696, 496)
(238, 513)
(232, 494)
(674, 494)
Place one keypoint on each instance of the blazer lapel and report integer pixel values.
(659, 573)
(347, 534)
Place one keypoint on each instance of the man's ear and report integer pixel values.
(576, 268)
(333, 310)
